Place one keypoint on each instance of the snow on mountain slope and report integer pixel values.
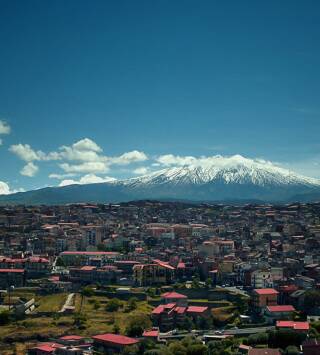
(231, 170)
(205, 179)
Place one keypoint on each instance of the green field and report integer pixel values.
(17, 336)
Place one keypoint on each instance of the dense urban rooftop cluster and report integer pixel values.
(216, 275)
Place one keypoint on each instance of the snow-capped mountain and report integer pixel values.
(216, 178)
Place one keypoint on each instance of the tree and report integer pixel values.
(96, 305)
(177, 348)
(292, 350)
(195, 282)
(113, 305)
(60, 262)
(187, 324)
(116, 329)
(284, 338)
(208, 282)
(132, 304)
(130, 350)
(79, 320)
(137, 323)
(87, 291)
(311, 299)
(197, 349)
(4, 317)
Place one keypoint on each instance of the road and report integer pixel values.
(68, 303)
(234, 332)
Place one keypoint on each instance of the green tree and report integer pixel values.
(177, 348)
(87, 291)
(132, 304)
(208, 282)
(311, 299)
(4, 317)
(137, 323)
(197, 349)
(116, 329)
(292, 350)
(79, 320)
(60, 262)
(113, 305)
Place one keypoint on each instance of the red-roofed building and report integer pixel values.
(152, 334)
(71, 340)
(112, 343)
(44, 349)
(285, 312)
(298, 326)
(263, 297)
(198, 312)
(175, 297)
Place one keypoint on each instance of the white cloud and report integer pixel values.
(83, 150)
(4, 127)
(87, 179)
(134, 156)
(61, 176)
(87, 167)
(141, 171)
(170, 159)
(25, 152)
(82, 157)
(5, 189)
(86, 144)
(29, 170)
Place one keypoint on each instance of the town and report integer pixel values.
(152, 277)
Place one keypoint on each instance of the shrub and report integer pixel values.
(113, 305)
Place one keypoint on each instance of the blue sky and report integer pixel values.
(153, 78)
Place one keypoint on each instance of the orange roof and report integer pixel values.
(196, 309)
(266, 291)
(173, 295)
(283, 308)
(151, 333)
(293, 325)
(115, 339)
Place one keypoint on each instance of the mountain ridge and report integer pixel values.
(214, 179)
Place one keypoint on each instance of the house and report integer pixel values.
(263, 297)
(156, 273)
(283, 312)
(175, 297)
(71, 340)
(297, 326)
(77, 258)
(261, 279)
(196, 312)
(171, 315)
(91, 274)
(152, 334)
(44, 349)
(112, 343)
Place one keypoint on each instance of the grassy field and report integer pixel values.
(223, 314)
(51, 303)
(16, 337)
